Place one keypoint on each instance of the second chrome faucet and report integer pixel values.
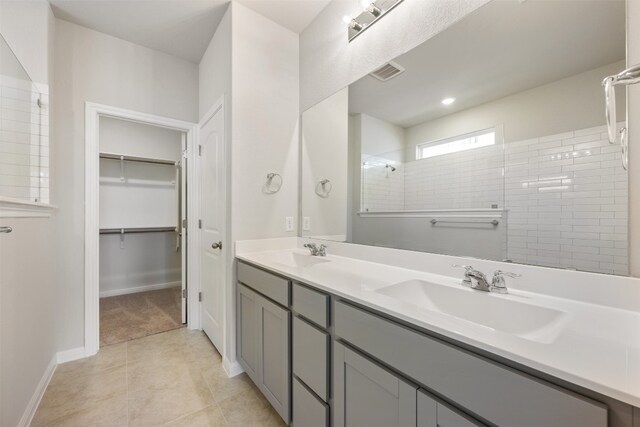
(316, 250)
(478, 280)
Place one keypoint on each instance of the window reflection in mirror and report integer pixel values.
(491, 143)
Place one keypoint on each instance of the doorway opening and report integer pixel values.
(143, 255)
(139, 216)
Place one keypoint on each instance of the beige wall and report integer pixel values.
(27, 270)
(325, 147)
(254, 63)
(94, 67)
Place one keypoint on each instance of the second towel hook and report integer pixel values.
(324, 187)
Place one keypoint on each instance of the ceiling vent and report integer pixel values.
(387, 71)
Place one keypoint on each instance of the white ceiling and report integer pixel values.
(182, 28)
(503, 48)
(295, 15)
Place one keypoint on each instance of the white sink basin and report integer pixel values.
(296, 259)
(498, 312)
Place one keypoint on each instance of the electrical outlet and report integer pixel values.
(306, 223)
(288, 223)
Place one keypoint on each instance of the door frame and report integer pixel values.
(93, 113)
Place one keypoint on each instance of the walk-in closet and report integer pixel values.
(142, 247)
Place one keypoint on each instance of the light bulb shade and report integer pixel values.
(373, 9)
(355, 25)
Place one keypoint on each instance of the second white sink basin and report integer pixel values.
(498, 312)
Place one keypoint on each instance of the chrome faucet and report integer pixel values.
(316, 250)
(477, 280)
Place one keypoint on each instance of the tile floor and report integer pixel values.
(126, 317)
(174, 378)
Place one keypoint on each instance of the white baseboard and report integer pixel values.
(232, 369)
(70, 355)
(137, 289)
(32, 406)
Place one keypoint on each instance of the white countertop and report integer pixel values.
(594, 346)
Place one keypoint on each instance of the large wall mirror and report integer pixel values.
(488, 140)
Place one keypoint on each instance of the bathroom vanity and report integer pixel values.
(329, 345)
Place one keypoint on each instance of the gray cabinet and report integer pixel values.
(263, 347)
(311, 357)
(365, 394)
(308, 410)
(432, 413)
(247, 330)
(497, 393)
(274, 372)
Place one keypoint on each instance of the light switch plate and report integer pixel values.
(306, 223)
(288, 223)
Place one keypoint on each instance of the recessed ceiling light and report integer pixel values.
(448, 101)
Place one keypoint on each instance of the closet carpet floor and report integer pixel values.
(131, 316)
(173, 378)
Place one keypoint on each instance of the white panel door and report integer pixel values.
(212, 206)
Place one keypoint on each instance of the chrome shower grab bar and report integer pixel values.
(493, 222)
(138, 230)
(6, 229)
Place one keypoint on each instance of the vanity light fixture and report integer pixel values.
(448, 101)
(370, 7)
(372, 10)
(353, 24)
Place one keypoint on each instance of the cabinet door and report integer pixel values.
(434, 414)
(449, 418)
(248, 307)
(427, 410)
(368, 395)
(274, 376)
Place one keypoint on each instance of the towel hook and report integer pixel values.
(321, 188)
(273, 184)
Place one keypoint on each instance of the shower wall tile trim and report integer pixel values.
(24, 141)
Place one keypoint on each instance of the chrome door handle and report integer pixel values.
(217, 245)
(6, 229)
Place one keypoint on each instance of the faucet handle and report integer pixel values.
(466, 267)
(498, 284)
(498, 273)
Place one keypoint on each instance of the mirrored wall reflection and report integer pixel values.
(24, 145)
(497, 149)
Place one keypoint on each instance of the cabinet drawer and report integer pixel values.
(499, 394)
(269, 285)
(311, 356)
(311, 304)
(308, 410)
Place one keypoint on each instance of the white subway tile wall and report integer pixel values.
(566, 196)
(464, 180)
(567, 200)
(24, 141)
(383, 189)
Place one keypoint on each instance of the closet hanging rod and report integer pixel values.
(138, 230)
(137, 159)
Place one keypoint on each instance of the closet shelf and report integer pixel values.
(138, 230)
(113, 156)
